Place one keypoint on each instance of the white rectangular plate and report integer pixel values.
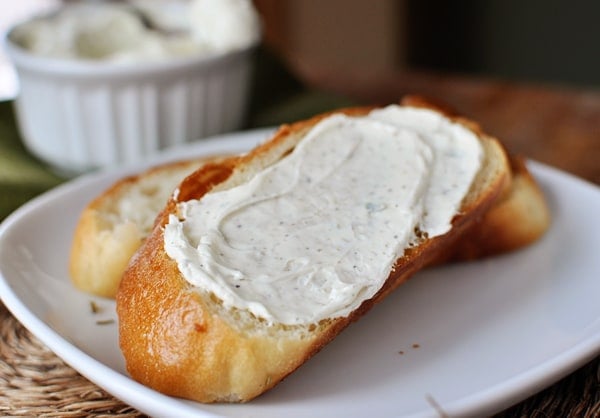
(470, 338)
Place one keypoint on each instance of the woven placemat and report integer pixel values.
(35, 382)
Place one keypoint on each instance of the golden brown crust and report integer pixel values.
(180, 341)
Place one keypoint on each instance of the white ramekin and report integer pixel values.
(78, 115)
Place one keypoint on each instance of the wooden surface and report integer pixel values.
(555, 125)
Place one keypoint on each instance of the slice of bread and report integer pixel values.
(182, 340)
(113, 226)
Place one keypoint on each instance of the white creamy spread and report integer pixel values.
(113, 32)
(314, 235)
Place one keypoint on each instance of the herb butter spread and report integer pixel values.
(314, 235)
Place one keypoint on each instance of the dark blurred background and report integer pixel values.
(539, 41)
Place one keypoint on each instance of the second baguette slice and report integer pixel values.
(182, 340)
(112, 226)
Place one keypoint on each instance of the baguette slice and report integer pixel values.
(112, 227)
(182, 341)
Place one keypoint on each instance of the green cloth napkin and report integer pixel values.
(22, 176)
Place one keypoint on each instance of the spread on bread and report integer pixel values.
(318, 232)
